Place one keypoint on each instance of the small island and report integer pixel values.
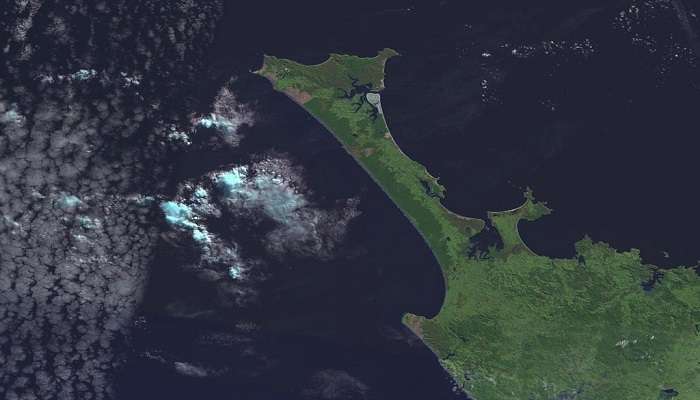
(514, 325)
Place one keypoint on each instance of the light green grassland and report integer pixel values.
(514, 325)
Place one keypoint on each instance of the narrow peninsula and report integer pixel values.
(514, 325)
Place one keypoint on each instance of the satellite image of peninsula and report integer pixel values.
(208, 199)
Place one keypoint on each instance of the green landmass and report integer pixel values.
(514, 324)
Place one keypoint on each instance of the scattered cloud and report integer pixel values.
(332, 384)
(82, 150)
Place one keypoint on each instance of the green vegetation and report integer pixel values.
(514, 325)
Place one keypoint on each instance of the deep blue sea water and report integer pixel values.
(597, 120)
(606, 137)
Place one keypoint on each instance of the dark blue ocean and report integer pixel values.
(493, 98)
